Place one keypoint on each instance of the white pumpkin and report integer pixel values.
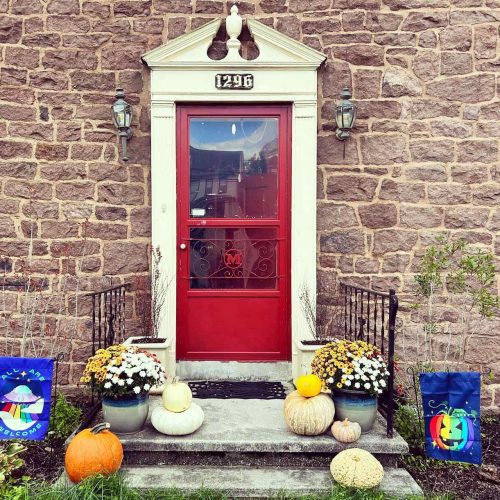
(177, 424)
(345, 431)
(356, 468)
(177, 396)
(309, 416)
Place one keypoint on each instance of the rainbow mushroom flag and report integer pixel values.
(451, 405)
(25, 390)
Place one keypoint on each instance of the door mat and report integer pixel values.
(237, 390)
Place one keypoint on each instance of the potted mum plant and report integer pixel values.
(356, 374)
(123, 375)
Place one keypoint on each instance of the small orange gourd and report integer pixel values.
(345, 431)
(93, 451)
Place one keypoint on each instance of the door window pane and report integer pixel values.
(233, 168)
(228, 258)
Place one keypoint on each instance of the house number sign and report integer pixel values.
(233, 81)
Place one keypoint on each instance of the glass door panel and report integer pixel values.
(233, 168)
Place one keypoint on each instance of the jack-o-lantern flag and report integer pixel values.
(451, 404)
(25, 389)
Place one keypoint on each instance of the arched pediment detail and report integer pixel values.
(275, 50)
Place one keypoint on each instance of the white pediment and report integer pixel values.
(275, 50)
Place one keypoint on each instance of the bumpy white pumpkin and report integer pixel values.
(357, 468)
(177, 424)
(309, 416)
(177, 396)
(345, 431)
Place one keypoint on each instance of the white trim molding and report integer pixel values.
(284, 72)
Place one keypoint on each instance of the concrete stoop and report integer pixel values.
(245, 449)
(244, 482)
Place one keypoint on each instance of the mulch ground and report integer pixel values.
(463, 481)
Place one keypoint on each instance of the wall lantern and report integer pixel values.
(345, 115)
(122, 118)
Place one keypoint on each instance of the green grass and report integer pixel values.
(114, 488)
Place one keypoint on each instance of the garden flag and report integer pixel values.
(25, 390)
(451, 402)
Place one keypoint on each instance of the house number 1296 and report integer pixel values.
(231, 81)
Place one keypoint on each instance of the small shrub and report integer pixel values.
(409, 426)
(65, 417)
(9, 463)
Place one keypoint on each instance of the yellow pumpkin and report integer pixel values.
(357, 468)
(308, 416)
(345, 431)
(308, 385)
(177, 396)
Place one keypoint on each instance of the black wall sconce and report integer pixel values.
(122, 118)
(345, 115)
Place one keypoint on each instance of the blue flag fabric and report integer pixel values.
(25, 391)
(451, 406)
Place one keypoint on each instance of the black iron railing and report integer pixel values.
(370, 315)
(108, 316)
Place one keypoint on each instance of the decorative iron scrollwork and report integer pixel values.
(214, 260)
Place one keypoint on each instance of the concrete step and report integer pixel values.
(249, 432)
(244, 482)
(234, 370)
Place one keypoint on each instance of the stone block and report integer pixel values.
(466, 217)
(121, 194)
(331, 215)
(449, 194)
(456, 63)
(416, 217)
(132, 8)
(426, 65)
(470, 89)
(477, 150)
(125, 258)
(10, 29)
(384, 149)
(378, 215)
(393, 240)
(75, 190)
(420, 21)
(360, 54)
(351, 187)
(11, 149)
(432, 150)
(63, 7)
(456, 38)
(401, 191)
(351, 241)
(397, 83)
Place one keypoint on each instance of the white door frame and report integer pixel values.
(284, 72)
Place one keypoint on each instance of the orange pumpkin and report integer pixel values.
(93, 451)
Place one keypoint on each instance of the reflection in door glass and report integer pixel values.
(237, 257)
(233, 168)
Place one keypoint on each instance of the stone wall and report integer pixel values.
(423, 160)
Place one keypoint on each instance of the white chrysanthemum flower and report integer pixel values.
(121, 382)
(147, 387)
(137, 389)
(347, 382)
(142, 373)
(107, 385)
(330, 380)
(367, 386)
(356, 385)
(382, 383)
(130, 381)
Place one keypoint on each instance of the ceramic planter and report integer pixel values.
(357, 406)
(304, 356)
(126, 414)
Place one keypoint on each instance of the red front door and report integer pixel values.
(233, 212)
